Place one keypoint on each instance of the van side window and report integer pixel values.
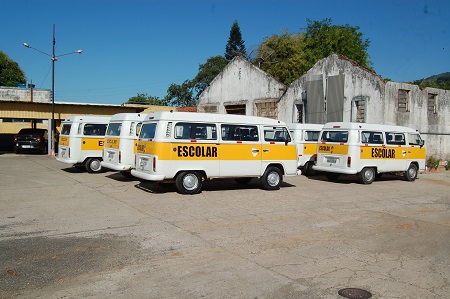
(94, 129)
(395, 138)
(312, 135)
(334, 136)
(239, 133)
(195, 131)
(277, 134)
(372, 137)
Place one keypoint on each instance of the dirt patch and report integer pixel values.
(33, 263)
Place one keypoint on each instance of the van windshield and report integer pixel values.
(148, 131)
(334, 136)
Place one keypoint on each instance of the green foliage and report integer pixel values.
(180, 95)
(433, 162)
(287, 57)
(441, 81)
(145, 99)
(235, 45)
(207, 72)
(10, 72)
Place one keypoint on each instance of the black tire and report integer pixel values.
(308, 170)
(93, 165)
(126, 174)
(331, 176)
(411, 173)
(367, 175)
(272, 178)
(189, 182)
(243, 181)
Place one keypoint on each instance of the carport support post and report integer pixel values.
(49, 137)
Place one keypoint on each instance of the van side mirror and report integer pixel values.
(422, 143)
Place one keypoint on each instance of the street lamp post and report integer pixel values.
(53, 58)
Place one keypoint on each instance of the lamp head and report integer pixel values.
(26, 45)
(79, 51)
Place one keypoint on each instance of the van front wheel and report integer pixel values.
(367, 175)
(93, 165)
(272, 178)
(189, 182)
(411, 173)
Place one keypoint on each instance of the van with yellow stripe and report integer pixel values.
(187, 148)
(121, 142)
(81, 141)
(305, 137)
(369, 150)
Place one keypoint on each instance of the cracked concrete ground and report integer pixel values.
(69, 234)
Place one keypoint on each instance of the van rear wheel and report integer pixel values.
(93, 165)
(189, 182)
(272, 178)
(308, 170)
(411, 173)
(367, 175)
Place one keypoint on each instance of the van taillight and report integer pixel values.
(15, 138)
(120, 156)
(315, 157)
(154, 164)
(39, 139)
(349, 161)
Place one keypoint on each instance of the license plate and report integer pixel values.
(332, 160)
(110, 156)
(26, 146)
(143, 164)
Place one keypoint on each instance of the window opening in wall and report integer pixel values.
(359, 108)
(432, 103)
(235, 109)
(403, 100)
(300, 113)
(267, 109)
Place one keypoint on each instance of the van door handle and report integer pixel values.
(266, 150)
(254, 150)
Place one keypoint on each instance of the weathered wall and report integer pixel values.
(434, 126)
(24, 94)
(240, 83)
(359, 82)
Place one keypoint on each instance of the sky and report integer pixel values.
(142, 46)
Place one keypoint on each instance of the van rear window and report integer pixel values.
(65, 130)
(114, 129)
(312, 135)
(334, 136)
(148, 131)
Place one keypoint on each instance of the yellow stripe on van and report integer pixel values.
(63, 140)
(416, 152)
(382, 152)
(309, 149)
(92, 144)
(329, 148)
(112, 143)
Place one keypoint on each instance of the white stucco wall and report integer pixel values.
(358, 82)
(241, 83)
(24, 94)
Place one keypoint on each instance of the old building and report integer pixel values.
(242, 88)
(334, 89)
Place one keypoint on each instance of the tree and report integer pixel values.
(288, 56)
(180, 95)
(235, 45)
(10, 72)
(282, 56)
(145, 99)
(323, 39)
(207, 72)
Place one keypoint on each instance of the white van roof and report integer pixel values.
(366, 126)
(298, 126)
(128, 116)
(88, 118)
(212, 117)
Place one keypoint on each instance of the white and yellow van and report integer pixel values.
(81, 141)
(369, 150)
(305, 137)
(187, 148)
(121, 142)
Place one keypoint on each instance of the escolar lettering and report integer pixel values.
(197, 151)
(100, 143)
(383, 153)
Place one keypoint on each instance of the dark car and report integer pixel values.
(31, 140)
